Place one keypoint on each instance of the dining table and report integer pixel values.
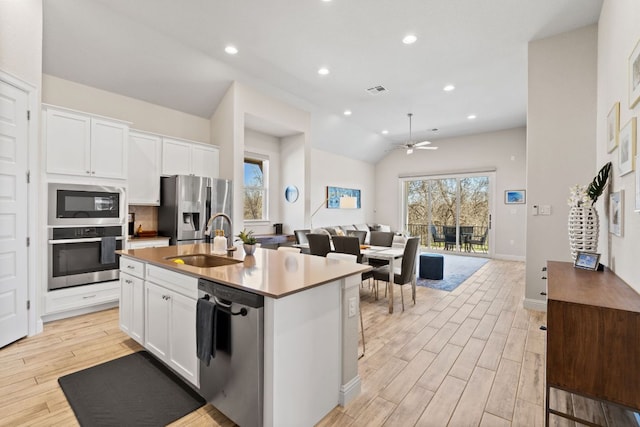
(391, 254)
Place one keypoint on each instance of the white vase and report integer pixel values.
(249, 249)
(583, 230)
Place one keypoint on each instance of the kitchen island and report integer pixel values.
(310, 321)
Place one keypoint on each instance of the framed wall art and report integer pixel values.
(515, 197)
(616, 212)
(613, 127)
(335, 193)
(637, 186)
(627, 151)
(634, 76)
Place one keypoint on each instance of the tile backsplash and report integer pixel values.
(147, 216)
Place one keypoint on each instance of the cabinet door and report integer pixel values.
(126, 300)
(144, 169)
(204, 160)
(156, 320)
(182, 341)
(67, 140)
(176, 157)
(137, 311)
(109, 141)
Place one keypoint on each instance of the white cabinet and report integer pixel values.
(144, 168)
(170, 320)
(81, 144)
(132, 306)
(189, 158)
(132, 298)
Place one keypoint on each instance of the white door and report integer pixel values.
(68, 142)
(176, 157)
(145, 152)
(156, 324)
(13, 213)
(109, 144)
(182, 341)
(204, 161)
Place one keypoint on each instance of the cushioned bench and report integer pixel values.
(431, 266)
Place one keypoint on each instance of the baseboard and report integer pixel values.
(350, 391)
(506, 257)
(535, 304)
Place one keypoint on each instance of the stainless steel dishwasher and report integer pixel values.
(233, 381)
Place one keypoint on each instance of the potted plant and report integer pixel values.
(583, 218)
(248, 241)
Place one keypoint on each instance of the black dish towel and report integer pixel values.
(206, 330)
(108, 250)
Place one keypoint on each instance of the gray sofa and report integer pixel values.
(341, 230)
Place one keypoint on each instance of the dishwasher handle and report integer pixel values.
(227, 307)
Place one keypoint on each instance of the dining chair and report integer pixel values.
(407, 271)
(350, 245)
(289, 249)
(360, 234)
(301, 236)
(350, 258)
(380, 238)
(319, 244)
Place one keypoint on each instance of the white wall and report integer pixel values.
(502, 151)
(619, 32)
(328, 169)
(561, 129)
(266, 146)
(21, 39)
(142, 115)
(292, 154)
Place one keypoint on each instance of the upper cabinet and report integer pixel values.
(81, 144)
(145, 152)
(189, 158)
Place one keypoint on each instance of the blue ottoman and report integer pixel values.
(431, 266)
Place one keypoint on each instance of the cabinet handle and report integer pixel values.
(130, 266)
(88, 172)
(88, 296)
(128, 281)
(93, 172)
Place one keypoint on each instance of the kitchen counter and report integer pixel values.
(268, 272)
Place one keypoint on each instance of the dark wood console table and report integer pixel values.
(593, 337)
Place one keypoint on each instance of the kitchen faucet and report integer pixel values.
(207, 231)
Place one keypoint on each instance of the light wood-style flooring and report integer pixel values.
(470, 357)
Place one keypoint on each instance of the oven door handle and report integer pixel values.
(88, 240)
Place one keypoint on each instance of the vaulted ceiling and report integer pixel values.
(172, 53)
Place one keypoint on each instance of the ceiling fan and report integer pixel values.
(410, 145)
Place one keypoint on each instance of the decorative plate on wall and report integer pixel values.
(291, 193)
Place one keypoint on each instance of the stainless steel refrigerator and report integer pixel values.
(186, 204)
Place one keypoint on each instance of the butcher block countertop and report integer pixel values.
(267, 272)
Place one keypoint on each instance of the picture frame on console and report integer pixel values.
(587, 260)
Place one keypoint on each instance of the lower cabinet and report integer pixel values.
(170, 330)
(132, 306)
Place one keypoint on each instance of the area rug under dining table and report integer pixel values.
(457, 269)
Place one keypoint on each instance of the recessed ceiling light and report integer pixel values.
(231, 50)
(448, 88)
(409, 39)
(471, 116)
(323, 71)
(384, 132)
(347, 112)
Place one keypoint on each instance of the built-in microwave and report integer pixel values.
(72, 204)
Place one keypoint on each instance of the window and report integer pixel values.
(255, 188)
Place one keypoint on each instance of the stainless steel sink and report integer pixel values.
(204, 260)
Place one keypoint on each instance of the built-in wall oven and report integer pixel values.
(86, 227)
(83, 255)
(81, 205)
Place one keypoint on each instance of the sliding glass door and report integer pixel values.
(450, 213)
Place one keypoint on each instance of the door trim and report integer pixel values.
(34, 218)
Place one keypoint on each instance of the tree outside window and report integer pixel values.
(255, 189)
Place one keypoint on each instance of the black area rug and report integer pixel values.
(134, 390)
